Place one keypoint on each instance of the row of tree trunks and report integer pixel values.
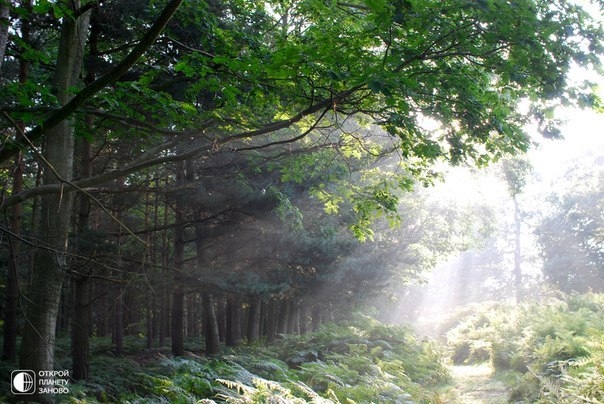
(228, 320)
(267, 318)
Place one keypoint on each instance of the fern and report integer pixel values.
(556, 346)
(263, 391)
(239, 388)
(315, 398)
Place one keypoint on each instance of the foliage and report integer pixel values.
(261, 95)
(515, 172)
(570, 233)
(367, 361)
(360, 360)
(555, 347)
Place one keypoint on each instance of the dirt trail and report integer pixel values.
(476, 385)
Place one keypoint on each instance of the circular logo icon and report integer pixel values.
(23, 382)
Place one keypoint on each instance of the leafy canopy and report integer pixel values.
(445, 79)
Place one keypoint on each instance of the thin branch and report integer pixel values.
(89, 91)
(63, 182)
(285, 141)
(147, 160)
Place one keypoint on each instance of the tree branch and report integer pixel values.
(148, 158)
(87, 92)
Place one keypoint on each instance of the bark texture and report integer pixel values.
(51, 262)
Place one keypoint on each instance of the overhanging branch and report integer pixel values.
(150, 159)
(87, 92)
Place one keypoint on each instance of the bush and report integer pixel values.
(556, 347)
(361, 360)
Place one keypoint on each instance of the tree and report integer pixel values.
(241, 84)
(570, 234)
(37, 347)
(51, 262)
(515, 172)
(4, 24)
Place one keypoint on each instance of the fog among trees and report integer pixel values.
(191, 187)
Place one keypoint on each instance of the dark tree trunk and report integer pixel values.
(253, 320)
(4, 24)
(210, 322)
(178, 348)
(82, 316)
(150, 318)
(517, 254)
(283, 316)
(178, 343)
(221, 318)
(271, 323)
(192, 315)
(303, 319)
(233, 322)
(118, 318)
(65, 308)
(38, 344)
(11, 304)
(293, 325)
(164, 316)
(210, 325)
(80, 330)
(316, 315)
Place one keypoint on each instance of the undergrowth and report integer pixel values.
(552, 351)
(359, 361)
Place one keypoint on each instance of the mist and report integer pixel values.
(484, 273)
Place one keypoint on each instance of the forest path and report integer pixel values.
(475, 384)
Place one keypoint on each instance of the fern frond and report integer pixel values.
(549, 385)
(237, 386)
(589, 400)
(315, 398)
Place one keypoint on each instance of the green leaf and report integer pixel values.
(377, 6)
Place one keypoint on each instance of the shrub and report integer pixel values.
(555, 346)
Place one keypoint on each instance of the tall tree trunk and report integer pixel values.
(210, 322)
(150, 318)
(191, 323)
(118, 290)
(303, 318)
(220, 309)
(4, 23)
(164, 310)
(38, 344)
(283, 316)
(178, 347)
(80, 329)
(317, 317)
(177, 291)
(210, 325)
(271, 323)
(11, 303)
(517, 253)
(293, 324)
(118, 320)
(233, 322)
(82, 316)
(253, 320)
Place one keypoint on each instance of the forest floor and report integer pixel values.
(476, 384)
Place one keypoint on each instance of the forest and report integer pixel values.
(249, 201)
